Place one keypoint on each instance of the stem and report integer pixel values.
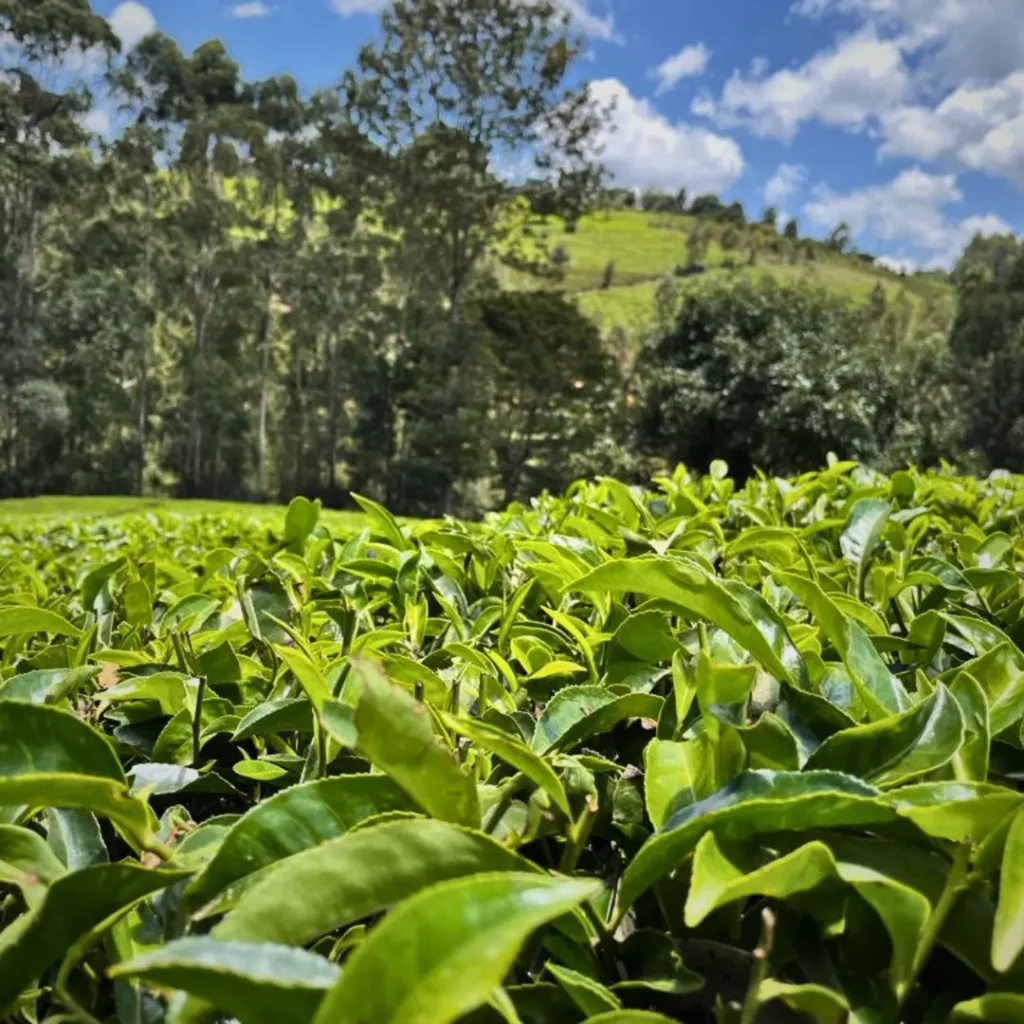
(579, 833)
(956, 882)
(197, 722)
(759, 971)
(508, 791)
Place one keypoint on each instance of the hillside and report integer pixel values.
(647, 247)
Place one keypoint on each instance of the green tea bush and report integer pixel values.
(694, 753)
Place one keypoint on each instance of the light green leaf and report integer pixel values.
(292, 821)
(825, 1005)
(395, 733)
(590, 996)
(728, 604)
(300, 521)
(994, 1008)
(757, 802)
(674, 774)
(1008, 931)
(256, 983)
(382, 523)
(27, 863)
(576, 712)
(258, 770)
(882, 693)
(895, 750)
(16, 621)
(47, 686)
(970, 762)
(514, 752)
(861, 537)
(360, 873)
(307, 672)
(447, 949)
(74, 905)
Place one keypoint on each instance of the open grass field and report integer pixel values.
(15, 510)
(646, 247)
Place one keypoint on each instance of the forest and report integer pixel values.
(214, 287)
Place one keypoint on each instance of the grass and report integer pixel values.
(111, 507)
(645, 248)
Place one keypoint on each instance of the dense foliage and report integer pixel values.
(211, 286)
(776, 376)
(694, 753)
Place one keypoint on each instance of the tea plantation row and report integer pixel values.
(695, 753)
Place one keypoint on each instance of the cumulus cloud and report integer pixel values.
(859, 78)
(583, 18)
(589, 23)
(785, 182)
(981, 41)
(252, 9)
(688, 62)
(979, 128)
(898, 264)
(641, 147)
(908, 209)
(132, 22)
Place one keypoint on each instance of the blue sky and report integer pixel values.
(903, 117)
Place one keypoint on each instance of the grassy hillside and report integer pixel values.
(647, 247)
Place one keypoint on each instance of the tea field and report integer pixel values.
(697, 752)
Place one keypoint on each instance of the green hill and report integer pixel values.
(637, 250)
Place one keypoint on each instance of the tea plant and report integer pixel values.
(693, 753)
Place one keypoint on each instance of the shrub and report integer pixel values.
(767, 375)
(578, 761)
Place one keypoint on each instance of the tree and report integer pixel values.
(840, 239)
(697, 243)
(448, 88)
(987, 339)
(768, 376)
(203, 98)
(43, 164)
(792, 229)
(770, 217)
(553, 390)
(706, 206)
(734, 214)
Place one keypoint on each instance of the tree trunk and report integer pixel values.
(332, 414)
(261, 434)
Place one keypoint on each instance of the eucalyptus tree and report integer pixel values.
(206, 110)
(46, 48)
(451, 92)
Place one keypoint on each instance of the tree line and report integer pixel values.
(246, 290)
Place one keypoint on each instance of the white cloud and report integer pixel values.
(898, 265)
(861, 77)
(909, 209)
(132, 22)
(589, 23)
(346, 8)
(785, 182)
(980, 41)
(979, 128)
(642, 148)
(583, 17)
(97, 121)
(251, 9)
(688, 62)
